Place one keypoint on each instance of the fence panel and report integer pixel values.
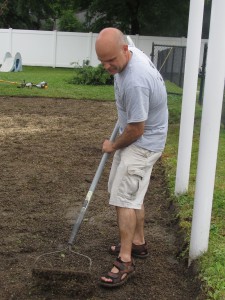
(59, 49)
(77, 49)
(36, 48)
(170, 61)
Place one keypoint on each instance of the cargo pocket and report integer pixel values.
(130, 183)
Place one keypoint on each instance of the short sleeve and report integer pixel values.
(137, 104)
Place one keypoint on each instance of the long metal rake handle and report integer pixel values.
(91, 190)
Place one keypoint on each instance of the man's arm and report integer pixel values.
(130, 134)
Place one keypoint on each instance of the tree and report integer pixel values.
(150, 17)
(68, 21)
(165, 18)
(25, 14)
(31, 14)
(121, 14)
(145, 17)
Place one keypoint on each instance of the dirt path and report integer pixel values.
(49, 151)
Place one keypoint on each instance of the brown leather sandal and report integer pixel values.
(126, 270)
(138, 251)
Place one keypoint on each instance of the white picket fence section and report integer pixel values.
(60, 49)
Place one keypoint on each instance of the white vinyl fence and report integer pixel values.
(60, 49)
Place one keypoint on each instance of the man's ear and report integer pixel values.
(125, 48)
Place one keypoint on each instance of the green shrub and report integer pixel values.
(92, 76)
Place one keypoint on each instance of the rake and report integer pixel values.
(69, 281)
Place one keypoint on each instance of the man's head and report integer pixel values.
(112, 50)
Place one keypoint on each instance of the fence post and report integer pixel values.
(172, 64)
(189, 96)
(209, 133)
(152, 54)
(200, 100)
(54, 47)
(10, 40)
(181, 67)
(137, 40)
(89, 50)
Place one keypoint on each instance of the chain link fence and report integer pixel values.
(170, 61)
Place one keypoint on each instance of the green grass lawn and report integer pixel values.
(58, 84)
(212, 264)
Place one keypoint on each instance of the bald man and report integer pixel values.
(141, 102)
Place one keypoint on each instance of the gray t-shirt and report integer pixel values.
(141, 96)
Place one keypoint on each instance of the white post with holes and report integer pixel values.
(209, 134)
(189, 95)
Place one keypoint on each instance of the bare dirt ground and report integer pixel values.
(50, 150)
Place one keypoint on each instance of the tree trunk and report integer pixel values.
(133, 8)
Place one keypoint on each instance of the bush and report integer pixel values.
(92, 76)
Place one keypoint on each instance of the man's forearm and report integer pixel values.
(130, 134)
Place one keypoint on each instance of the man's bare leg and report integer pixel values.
(139, 237)
(126, 219)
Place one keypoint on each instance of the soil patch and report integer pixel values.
(50, 150)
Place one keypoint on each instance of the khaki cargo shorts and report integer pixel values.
(130, 176)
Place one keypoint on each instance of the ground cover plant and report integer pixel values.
(212, 265)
